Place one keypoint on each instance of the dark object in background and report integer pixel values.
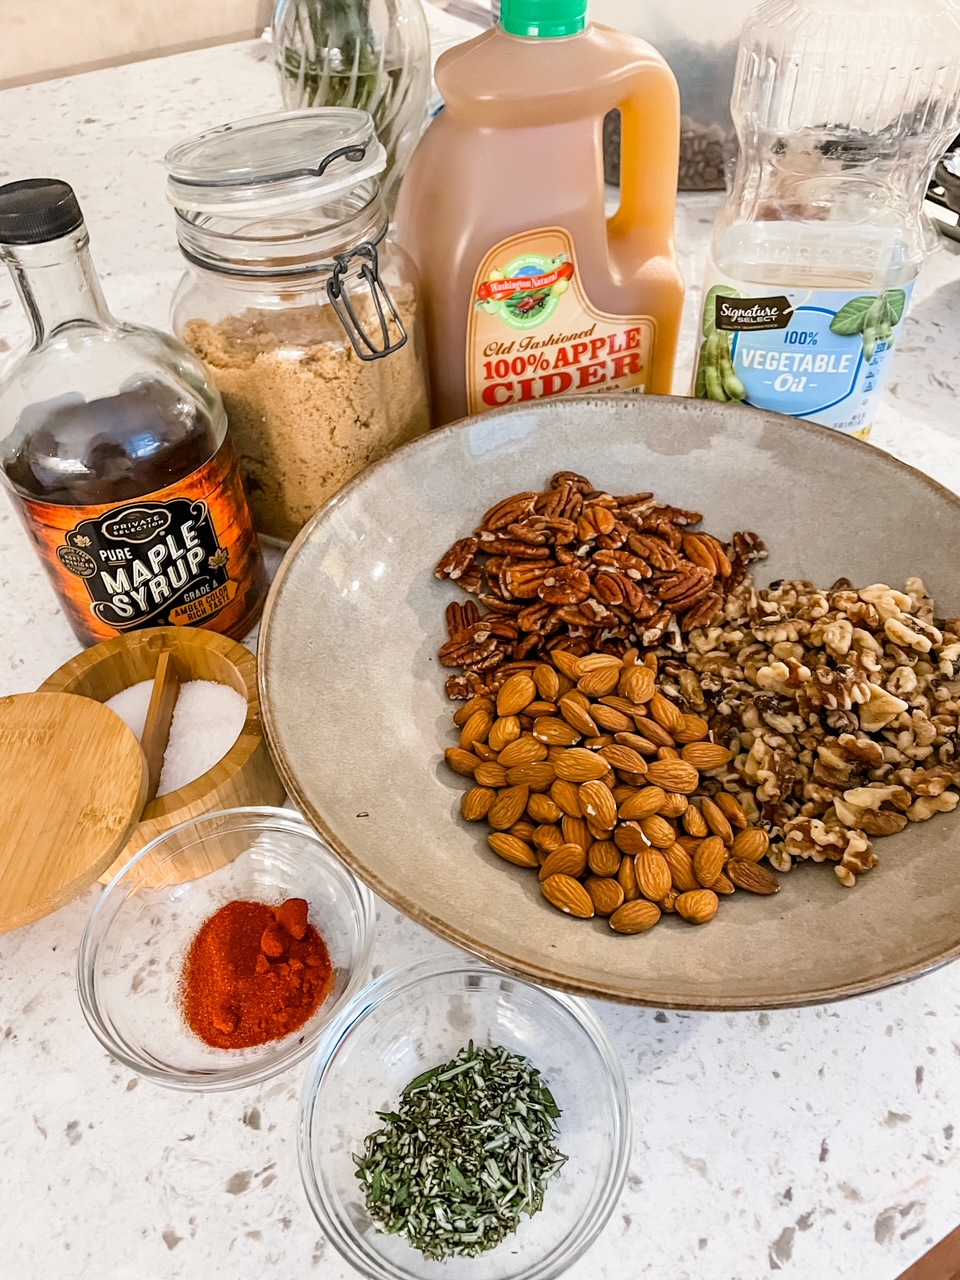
(704, 151)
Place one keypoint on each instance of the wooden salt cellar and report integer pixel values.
(245, 775)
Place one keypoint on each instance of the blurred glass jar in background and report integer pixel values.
(700, 43)
(370, 54)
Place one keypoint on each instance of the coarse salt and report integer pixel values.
(207, 721)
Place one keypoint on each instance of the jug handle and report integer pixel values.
(649, 153)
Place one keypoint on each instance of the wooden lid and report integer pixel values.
(73, 781)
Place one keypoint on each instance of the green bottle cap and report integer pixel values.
(544, 19)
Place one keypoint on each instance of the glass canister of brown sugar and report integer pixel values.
(114, 447)
(304, 312)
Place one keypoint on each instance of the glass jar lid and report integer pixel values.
(285, 161)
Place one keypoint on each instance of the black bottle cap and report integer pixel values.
(37, 210)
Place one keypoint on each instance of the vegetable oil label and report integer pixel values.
(820, 354)
(178, 557)
(533, 333)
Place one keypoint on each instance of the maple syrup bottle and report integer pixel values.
(114, 449)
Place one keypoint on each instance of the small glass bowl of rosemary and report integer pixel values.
(459, 1121)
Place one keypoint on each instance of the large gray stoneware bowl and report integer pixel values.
(357, 718)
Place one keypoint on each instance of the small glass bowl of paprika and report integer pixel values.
(219, 954)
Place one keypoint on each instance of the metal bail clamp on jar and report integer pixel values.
(304, 311)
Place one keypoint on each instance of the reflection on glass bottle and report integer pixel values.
(116, 456)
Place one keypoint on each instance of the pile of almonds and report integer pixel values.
(589, 774)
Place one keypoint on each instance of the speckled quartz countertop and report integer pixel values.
(818, 1143)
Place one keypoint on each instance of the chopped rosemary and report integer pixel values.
(468, 1151)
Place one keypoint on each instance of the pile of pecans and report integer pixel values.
(589, 774)
(840, 708)
(576, 569)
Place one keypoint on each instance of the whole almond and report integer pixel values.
(476, 803)
(627, 879)
(610, 719)
(708, 861)
(731, 808)
(567, 860)
(599, 662)
(693, 822)
(526, 750)
(598, 805)
(463, 714)
(509, 805)
(690, 844)
(666, 713)
(751, 876)
(659, 831)
(567, 895)
(623, 705)
(483, 751)
(538, 777)
(512, 849)
(537, 710)
(723, 884)
(523, 830)
(460, 761)
(653, 874)
(515, 694)
(606, 894)
(716, 820)
(547, 682)
(576, 715)
(476, 729)
(629, 838)
(674, 775)
(706, 755)
(668, 753)
(674, 806)
(637, 684)
(566, 662)
(490, 774)
(504, 731)
(693, 729)
(576, 764)
(644, 803)
(624, 758)
(751, 844)
(597, 743)
(576, 831)
(603, 858)
(635, 917)
(681, 868)
(669, 902)
(600, 681)
(542, 809)
(698, 906)
(547, 836)
(653, 732)
(566, 796)
(642, 746)
(556, 732)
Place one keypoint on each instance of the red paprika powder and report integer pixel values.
(254, 973)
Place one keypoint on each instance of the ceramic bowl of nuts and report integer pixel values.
(645, 698)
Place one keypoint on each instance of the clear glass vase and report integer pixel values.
(371, 54)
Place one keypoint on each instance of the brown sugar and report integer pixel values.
(306, 413)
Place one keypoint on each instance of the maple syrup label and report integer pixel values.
(182, 556)
(533, 333)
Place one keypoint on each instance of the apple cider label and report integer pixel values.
(533, 333)
(177, 557)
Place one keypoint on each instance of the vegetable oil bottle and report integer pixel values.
(529, 289)
(842, 107)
